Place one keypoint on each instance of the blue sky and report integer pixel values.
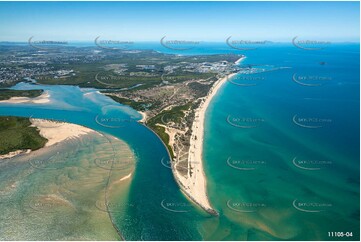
(204, 21)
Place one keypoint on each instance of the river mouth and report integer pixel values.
(263, 175)
(123, 193)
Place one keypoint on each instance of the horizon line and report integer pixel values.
(159, 41)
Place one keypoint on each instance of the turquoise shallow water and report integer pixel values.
(153, 189)
(269, 177)
(60, 192)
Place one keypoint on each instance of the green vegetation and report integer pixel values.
(117, 69)
(16, 134)
(94, 75)
(7, 84)
(140, 106)
(8, 93)
(160, 131)
(175, 115)
(181, 76)
(201, 90)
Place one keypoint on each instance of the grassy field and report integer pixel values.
(16, 134)
(8, 93)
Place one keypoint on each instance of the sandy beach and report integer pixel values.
(239, 60)
(43, 98)
(144, 117)
(195, 184)
(14, 153)
(57, 132)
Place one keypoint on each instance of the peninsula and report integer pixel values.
(171, 91)
(176, 113)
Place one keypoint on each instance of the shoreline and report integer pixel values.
(144, 117)
(195, 185)
(55, 132)
(43, 98)
(12, 154)
(58, 132)
(181, 186)
(240, 60)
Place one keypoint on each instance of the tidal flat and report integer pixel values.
(68, 191)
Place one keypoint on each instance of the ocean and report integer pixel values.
(282, 145)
